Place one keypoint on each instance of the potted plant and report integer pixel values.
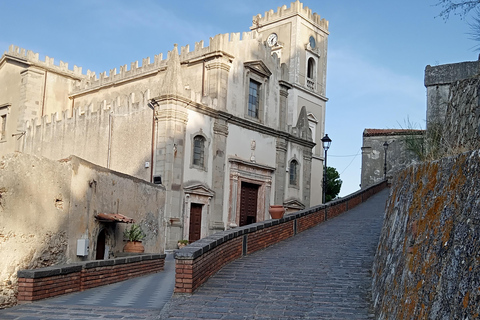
(182, 243)
(134, 237)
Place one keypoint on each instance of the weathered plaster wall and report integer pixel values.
(46, 205)
(398, 155)
(427, 264)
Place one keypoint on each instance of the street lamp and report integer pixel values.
(326, 141)
(385, 146)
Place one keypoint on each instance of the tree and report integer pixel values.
(460, 8)
(333, 184)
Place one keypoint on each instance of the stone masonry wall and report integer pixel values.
(461, 128)
(427, 264)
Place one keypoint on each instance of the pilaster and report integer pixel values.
(220, 133)
(217, 80)
(280, 173)
(307, 175)
(169, 159)
(31, 96)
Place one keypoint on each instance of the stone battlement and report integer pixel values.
(284, 12)
(33, 58)
(220, 42)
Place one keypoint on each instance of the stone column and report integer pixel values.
(220, 133)
(307, 174)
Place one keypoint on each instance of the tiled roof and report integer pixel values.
(391, 132)
(113, 217)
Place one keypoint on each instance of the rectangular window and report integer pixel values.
(253, 99)
(3, 127)
(198, 150)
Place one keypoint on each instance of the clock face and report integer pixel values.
(312, 42)
(272, 39)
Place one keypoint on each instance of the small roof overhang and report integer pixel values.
(113, 217)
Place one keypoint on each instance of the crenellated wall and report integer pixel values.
(98, 135)
(427, 264)
(283, 12)
(32, 58)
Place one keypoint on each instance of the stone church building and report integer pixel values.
(228, 128)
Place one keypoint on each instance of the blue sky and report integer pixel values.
(377, 50)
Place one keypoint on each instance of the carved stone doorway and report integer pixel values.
(252, 181)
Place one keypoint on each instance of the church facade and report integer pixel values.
(228, 129)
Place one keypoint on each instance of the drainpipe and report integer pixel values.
(153, 146)
(109, 139)
(44, 93)
(203, 79)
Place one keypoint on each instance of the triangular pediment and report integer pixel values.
(200, 189)
(293, 204)
(258, 67)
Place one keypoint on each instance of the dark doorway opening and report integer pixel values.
(100, 255)
(248, 203)
(195, 230)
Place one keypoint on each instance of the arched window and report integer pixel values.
(293, 170)
(198, 151)
(311, 69)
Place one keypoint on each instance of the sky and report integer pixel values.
(377, 50)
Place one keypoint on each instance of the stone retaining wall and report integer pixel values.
(200, 260)
(427, 264)
(57, 280)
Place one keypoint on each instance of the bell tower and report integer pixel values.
(299, 38)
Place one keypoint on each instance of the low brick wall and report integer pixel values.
(52, 281)
(200, 260)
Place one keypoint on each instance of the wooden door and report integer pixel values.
(195, 230)
(248, 203)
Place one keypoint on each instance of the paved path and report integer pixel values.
(138, 298)
(322, 273)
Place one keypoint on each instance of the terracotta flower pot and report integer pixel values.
(276, 212)
(134, 246)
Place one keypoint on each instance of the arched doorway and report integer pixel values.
(100, 254)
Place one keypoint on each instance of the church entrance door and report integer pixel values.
(248, 203)
(195, 222)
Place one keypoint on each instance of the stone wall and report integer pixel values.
(427, 264)
(453, 113)
(399, 152)
(46, 205)
(461, 128)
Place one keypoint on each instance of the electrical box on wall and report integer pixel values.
(82, 247)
